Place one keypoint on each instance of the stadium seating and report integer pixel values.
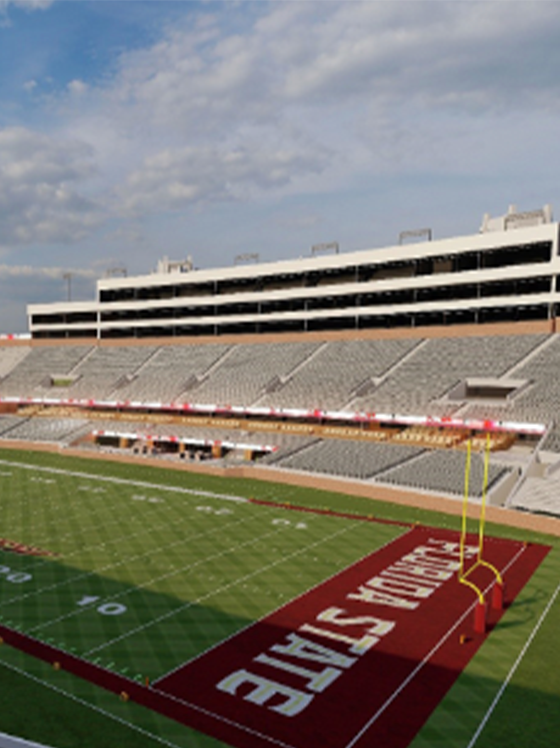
(350, 459)
(244, 374)
(444, 472)
(59, 430)
(404, 376)
(336, 371)
(32, 374)
(172, 371)
(440, 363)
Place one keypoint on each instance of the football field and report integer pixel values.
(137, 572)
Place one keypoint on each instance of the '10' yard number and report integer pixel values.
(106, 609)
(17, 577)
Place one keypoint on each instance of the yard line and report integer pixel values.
(227, 721)
(514, 667)
(120, 563)
(147, 530)
(88, 704)
(173, 573)
(219, 590)
(283, 605)
(97, 511)
(126, 481)
(426, 659)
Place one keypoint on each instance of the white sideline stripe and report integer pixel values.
(147, 530)
(125, 481)
(226, 720)
(87, 704)
(10, 741)
(280, 607)
(171, 613)
(514, 667)
(425, 661)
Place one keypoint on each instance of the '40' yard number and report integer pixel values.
(17, 577)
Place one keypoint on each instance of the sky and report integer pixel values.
(131, 130)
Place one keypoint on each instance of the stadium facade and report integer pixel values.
(508, 272)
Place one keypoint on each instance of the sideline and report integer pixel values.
(77, 699)
(513, 669)
(9, 741)
(543, 524)
(124, 481)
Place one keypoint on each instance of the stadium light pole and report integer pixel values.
(68, 277)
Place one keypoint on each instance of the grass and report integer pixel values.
(152, 569)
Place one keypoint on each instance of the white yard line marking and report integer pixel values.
(126, 481)
(280, 607)
(87, 704)
(148, 529)
(217, 591)
(514, 667)
(122, 562)
(132, 590)
(227, 721)
(425, 661)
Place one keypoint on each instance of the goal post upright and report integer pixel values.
(497, 598)
(480, 559)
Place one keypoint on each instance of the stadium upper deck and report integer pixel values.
(508, 272)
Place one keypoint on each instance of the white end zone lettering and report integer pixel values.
(449, 548)
(420, 570)
(358, 646)
(317, 681)
(305, 649)
(399, 587)
(376, 597)
(295, 701)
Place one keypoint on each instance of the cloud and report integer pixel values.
(271, 97)
(204, 78)
(77, 87)
(335, 89)
(176, 178)
(39, 198)
(31, 271)
(27, 4)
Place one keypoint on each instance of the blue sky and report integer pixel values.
(133, 130)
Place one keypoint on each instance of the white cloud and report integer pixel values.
(39, 200)
(31, 271)
(201, 80)
(26, 4)
(290, 96)
(29, 5)
(342, 88)
(77, 87)
(176, 178)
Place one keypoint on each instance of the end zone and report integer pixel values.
(365, 656)
(361, 659)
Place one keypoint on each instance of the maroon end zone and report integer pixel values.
(360, 660)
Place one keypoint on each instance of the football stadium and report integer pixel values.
(298, 504)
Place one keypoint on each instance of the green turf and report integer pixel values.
(151, 570)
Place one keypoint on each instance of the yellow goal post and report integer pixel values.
(463, 574)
